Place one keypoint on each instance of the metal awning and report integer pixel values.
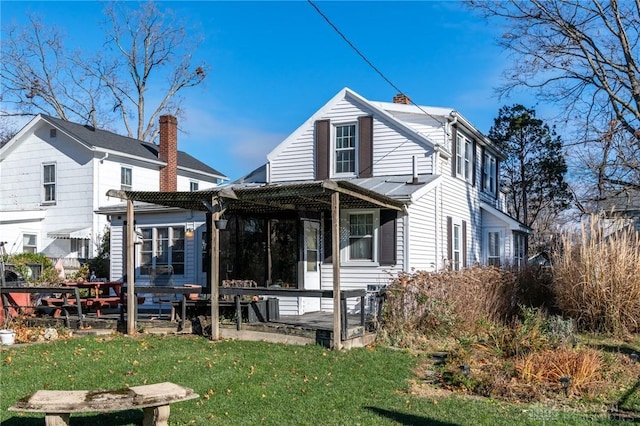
(268, 198)
(71, 234)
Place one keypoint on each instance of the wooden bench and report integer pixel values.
(153, 399)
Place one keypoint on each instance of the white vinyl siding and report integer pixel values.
(422, 235)
(393, 149)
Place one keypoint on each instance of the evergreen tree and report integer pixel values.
(533, 173)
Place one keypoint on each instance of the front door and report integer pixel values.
(311, 258)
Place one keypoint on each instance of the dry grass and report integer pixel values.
(597, 280)
(547, 367)
(427, 303)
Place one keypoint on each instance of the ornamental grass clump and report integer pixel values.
(545, 369)
(597, 279)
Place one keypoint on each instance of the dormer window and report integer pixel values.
(345, 149)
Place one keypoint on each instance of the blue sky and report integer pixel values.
(273, 64)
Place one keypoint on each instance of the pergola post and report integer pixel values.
(131, 269)
(335, 251)
(214, 243)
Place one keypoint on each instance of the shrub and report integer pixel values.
(425, 303)
(597, 279)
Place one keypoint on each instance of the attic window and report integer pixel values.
(53, 133)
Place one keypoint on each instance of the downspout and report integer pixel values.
(434, 166)
(405, 224)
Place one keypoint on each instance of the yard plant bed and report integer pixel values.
(260, 383)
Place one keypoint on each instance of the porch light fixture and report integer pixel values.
(189, 230)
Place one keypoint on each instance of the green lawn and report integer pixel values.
(251, 383)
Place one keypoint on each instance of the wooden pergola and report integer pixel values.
(313, 196)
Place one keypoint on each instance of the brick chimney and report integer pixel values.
(168, 152)
(401, 98)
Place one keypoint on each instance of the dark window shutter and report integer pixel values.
(482, 165)
(497, 188)
(387, 241)
(322, 146)
(454, 149)
(327, 240)
(450, 238)
(365, 146)
(474, 163)
(464, 244)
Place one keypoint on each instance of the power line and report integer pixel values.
(355, 49)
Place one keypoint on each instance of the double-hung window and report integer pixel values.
(49, 183)
(489, 173)
(359, 242)
(519, 249)
(457, 246)
(162, 249)
(29, 243)
(126, 178)
(464, 157)
(494, 250)
(345, 149)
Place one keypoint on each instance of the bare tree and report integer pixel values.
(147, 52)
(582, 55)
(8, 129)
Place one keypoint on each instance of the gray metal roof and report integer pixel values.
(104, 139)
(397, 187)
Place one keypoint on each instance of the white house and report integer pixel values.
(54, 176)
(417, 187)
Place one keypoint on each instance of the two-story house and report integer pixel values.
(417, 189)
(54, 176)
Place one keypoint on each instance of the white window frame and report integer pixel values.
(193, 185)
(47, 184)
(464, 157)
(345, 237)
(490, 173)
(80, 247)
(335, 149)
(519, 249)
(33, 248)
(490, 258)
(150, 246)
(123, 184)
(456, 246)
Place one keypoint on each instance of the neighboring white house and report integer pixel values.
(418, 190)
(54, 176)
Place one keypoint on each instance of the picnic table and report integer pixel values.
(99, 297)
